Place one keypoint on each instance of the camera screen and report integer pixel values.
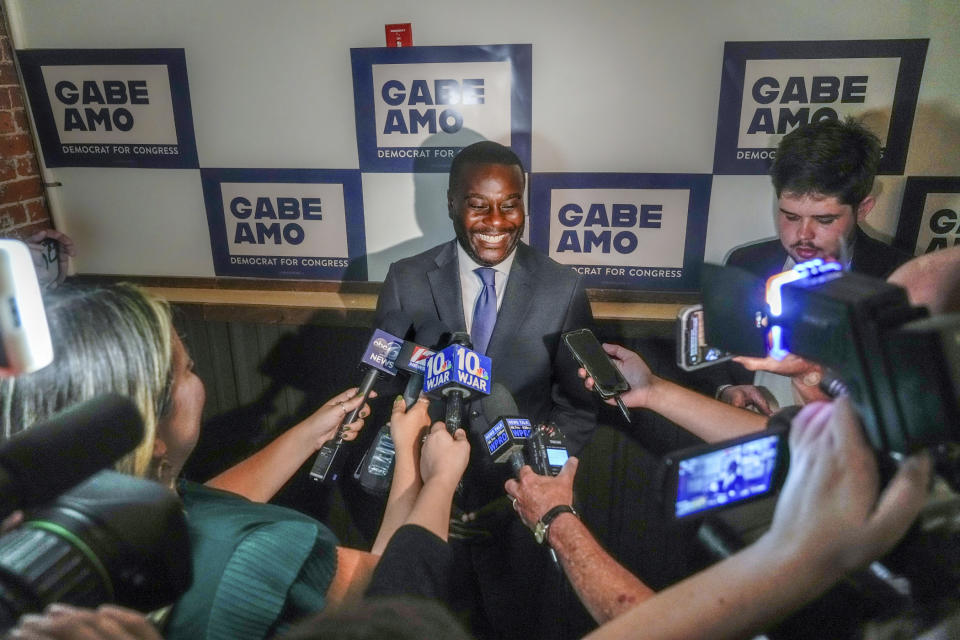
(726, 476)
(556, 457)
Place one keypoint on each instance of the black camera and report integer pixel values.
(113, 538)
(901, 369)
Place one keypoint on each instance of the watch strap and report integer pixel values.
(542, 527)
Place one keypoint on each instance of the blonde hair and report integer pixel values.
(115, 338)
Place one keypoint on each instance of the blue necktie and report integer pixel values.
(485, 313)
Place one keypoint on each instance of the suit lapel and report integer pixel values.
(516, 300)
(445, 288)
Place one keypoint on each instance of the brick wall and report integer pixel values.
(23, 207)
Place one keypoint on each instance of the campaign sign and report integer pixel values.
(929, 215)
(111, 107)
(416, 107)
(382, 352)
(768, 89)
(623, 230)
(286, 223)
(457, 366)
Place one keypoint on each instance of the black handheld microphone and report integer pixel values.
(507, 436)
(454, 373)
(430, 336)
(380, 356)
(375, 470)
(40, 463)
(515, 439)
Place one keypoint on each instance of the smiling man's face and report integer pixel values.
(486, 207)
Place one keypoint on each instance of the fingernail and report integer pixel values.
(397, 400)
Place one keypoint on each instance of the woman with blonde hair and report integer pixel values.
(257, 567)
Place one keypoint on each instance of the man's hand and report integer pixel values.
(444, 457)
(633, 368)
(747, 396)
(791, 365)
(828, 513)
(534, 494)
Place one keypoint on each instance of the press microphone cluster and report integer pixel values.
(376, 469)
(379, 357)
(454, 374)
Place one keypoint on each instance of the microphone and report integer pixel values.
(414, 355)
(42, 462)
(380, 356)
(506, 439)
(375, 470)
(454, 373)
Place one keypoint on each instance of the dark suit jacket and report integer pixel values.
(870, 257)
(764, 259)
(543, 299)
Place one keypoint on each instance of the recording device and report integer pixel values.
(40, 463)
(513, 439)
(24, 333)
(380, 356)
(607, 379)
(693, 352)
(455, 373)
(901, 368)
(707, 477)
(113, 539)
(375, 470)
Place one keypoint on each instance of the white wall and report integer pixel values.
(624, 86)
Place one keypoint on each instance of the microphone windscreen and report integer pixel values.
(52, 456)
(499, 403)
(396, 323)
(433, 334)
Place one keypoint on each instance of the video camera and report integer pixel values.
(113, 538)
(900, 367)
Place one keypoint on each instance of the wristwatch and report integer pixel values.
(543, 524)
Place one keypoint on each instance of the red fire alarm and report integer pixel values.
(399, 35)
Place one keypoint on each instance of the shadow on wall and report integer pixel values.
(429, 203)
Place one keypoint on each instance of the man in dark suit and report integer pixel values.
(515, 303)
(823, 176)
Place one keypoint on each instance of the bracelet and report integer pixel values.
(720, 390)
(542, 527)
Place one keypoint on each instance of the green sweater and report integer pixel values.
(256, 567)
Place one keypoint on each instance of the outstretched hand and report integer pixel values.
(829, 511)
(328, 417)
(444, 457)
(533, 495)
(633, 368)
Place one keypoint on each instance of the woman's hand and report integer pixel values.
(327, 418)
(444, 457)
(407, 427)
(634, 369)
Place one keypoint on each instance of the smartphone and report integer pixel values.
(24, 334)
(709, 477)
(693, 352)
(607, 379)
